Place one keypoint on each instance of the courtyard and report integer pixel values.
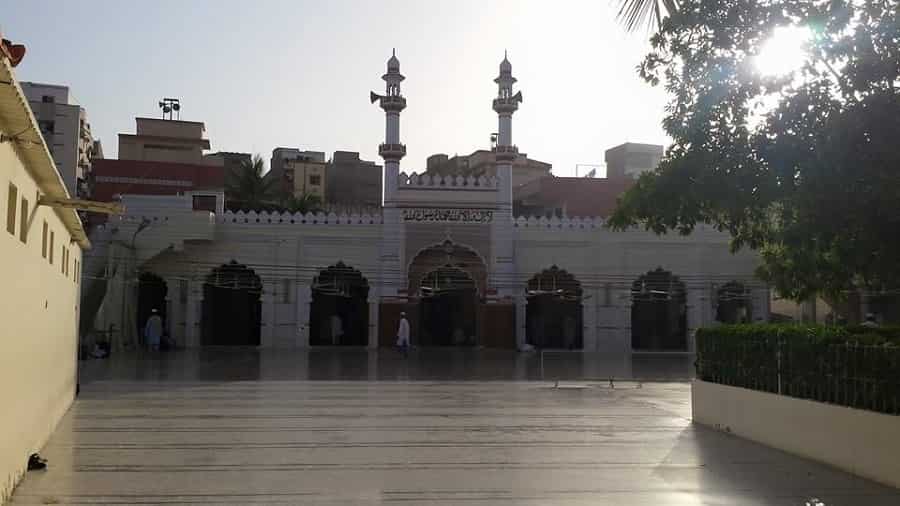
(332, 427)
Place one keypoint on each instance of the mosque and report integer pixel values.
(446, 249)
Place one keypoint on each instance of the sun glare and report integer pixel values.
(784, 52)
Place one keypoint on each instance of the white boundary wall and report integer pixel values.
(864, 443)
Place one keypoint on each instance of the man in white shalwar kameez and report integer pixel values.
(403, 334)
(153, 331)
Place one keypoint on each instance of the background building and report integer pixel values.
(230, 162)
(164, 157)
(352, 182)
(298, 172)
(41, 251)
(67, 132)
(164, 140)
(631, 159)
(483, 163)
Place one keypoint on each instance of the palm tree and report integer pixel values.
(248, 187)
(645, 13)
(304, 203)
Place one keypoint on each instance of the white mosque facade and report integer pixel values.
(446, 250)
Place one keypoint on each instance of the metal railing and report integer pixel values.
(863, 377)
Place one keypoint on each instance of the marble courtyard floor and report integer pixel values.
(338, 427)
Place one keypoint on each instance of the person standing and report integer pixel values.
(403, 334)
(153, 330)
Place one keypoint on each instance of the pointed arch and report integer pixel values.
(658, 312)
(554, 317)
(339, 314)
(232, 309)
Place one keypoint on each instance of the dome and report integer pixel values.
(393, 63)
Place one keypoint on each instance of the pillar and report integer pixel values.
(267, 320)
(194, 315)
(521, 321)
(303, 301)
(695, 302)
(373, 320)
(589, 317)
(623, 333)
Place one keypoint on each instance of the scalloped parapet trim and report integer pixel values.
(557, 222)
(459, 182)
(301, 218)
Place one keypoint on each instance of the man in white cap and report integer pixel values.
(153, 330)
(403, 334)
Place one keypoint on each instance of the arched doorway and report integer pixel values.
(232, 312)
(339, 315)
(658, 312)
(448, 308)
(448, 280)
(733, 304)
(152, 292)
(553, 314)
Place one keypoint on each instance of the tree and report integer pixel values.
(804, 168)
(249, 188)
(305, 203)
(650, 13)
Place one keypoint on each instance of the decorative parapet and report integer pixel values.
(264, 217)
(558, 223)
(447, 182)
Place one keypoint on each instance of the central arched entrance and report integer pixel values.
(658, 312)
(339, 315)
(232, 312)
(448, 308)
(553, 314)
(448, 281)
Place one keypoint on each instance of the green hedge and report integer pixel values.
(852, 366)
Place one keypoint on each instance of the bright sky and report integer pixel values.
(296, 73)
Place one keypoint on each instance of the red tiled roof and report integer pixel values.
(579, 196)
(138, 177)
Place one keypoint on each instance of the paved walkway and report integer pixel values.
(171, 440)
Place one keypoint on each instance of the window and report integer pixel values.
(23, 223)
(12, 198)
(44, 241)
(48, 99)
(286, 288)
(205, 203)
(62, 259)
(47, 127)
(315, 180)
(52, 237)
(183, 291)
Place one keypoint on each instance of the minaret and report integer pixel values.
(503, 276)
(392, 102)
(505, 105)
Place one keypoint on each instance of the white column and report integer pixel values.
(267, 323)
(623, 334)
(589, 317)
(173, 310)
(504, 135)
(194, 314)
(303, 300)
(373, 321)
(521, 319)
(759, 298)
(695, 301)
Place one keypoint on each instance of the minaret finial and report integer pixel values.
(504, 54)
(393, 51)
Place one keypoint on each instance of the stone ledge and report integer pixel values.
(861, 442)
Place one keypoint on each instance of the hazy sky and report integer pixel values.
(294, 73)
